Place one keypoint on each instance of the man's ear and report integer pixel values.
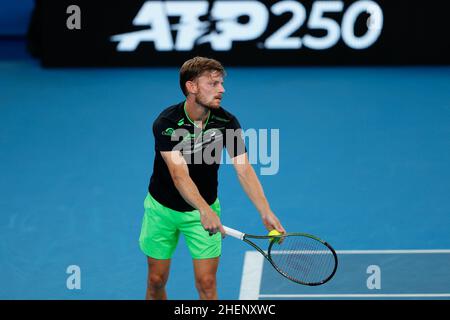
(191, 87)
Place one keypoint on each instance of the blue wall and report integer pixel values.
(15, 16)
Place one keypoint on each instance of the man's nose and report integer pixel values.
(221, 89)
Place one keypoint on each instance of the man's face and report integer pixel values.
(209, 89)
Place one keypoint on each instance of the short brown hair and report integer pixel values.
(195, 67)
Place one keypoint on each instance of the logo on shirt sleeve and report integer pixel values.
(168, 132)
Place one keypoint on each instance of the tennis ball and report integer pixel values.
(274, 232)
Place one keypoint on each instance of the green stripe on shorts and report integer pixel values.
(161, 228)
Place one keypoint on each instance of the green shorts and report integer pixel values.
(161, 228)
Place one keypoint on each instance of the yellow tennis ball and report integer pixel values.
(274, 232)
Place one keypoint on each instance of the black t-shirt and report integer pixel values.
(201, 148)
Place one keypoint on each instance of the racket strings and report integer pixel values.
(303, 259)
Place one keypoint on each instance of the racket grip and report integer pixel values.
(234, 233)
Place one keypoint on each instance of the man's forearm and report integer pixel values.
(254, 190)
(189, 191)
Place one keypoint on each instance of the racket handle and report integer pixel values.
(234, 233)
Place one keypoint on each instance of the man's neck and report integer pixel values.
(197, 113)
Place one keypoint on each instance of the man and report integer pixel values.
(182, 195)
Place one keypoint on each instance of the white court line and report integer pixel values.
(385, 295)
(392, 251)
(363, 251)
(253, 266)
(251, 276)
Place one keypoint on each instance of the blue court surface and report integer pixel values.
(363, 162)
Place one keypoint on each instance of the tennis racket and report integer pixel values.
(300, 257)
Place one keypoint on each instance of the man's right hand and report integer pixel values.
(211, 221)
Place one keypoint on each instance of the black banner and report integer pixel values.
(187, 309)
(314, 32)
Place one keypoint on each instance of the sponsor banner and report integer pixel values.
(250, 32)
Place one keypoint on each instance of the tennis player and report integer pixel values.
(182, 194)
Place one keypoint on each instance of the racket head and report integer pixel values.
(303, 258)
